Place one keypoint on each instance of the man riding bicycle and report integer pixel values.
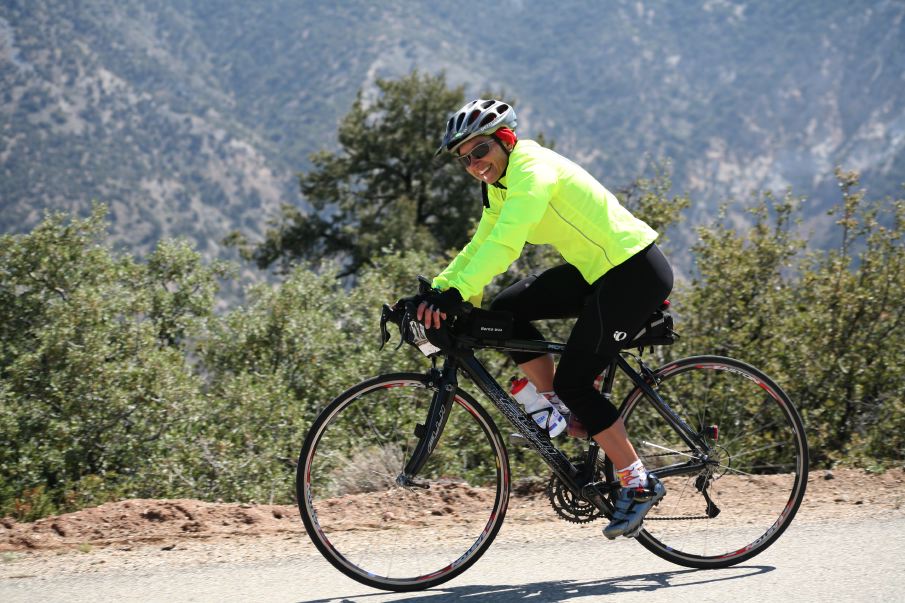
(613, 278)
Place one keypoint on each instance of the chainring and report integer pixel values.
(567, 505)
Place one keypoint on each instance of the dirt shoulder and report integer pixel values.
(128, 527)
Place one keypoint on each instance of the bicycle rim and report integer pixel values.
(759, 462)
(385, 535)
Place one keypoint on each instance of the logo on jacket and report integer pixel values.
(619, 335)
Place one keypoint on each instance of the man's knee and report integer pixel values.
(578, 393)
(569, 392)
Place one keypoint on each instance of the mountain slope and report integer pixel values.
(192, 118)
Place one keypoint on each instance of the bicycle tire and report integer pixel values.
(761, 461)
(349, 460)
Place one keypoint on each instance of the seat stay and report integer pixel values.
(694, 440)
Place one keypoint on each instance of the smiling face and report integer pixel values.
(492, 165)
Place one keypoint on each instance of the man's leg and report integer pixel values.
(616, 445)
(623, 299)
(540, 372)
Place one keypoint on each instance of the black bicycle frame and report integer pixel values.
(445, 383)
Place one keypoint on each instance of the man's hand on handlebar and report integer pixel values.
(430, 316)
(437, 306)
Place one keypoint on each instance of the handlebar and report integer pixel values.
(404, 315)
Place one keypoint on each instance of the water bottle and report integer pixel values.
(573, 426)
(557, 403)
(537, 406)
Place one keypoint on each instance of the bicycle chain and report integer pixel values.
(574, 510)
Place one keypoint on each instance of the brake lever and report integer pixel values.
(385, 314)
(409, 308)
(401, 336)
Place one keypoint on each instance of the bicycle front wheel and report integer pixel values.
(755, 478)
(384, 534)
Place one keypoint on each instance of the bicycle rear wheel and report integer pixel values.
(759, 467)
(390, 536)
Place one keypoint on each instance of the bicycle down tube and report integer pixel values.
(533, 433)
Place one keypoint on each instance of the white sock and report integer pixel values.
(633, 476)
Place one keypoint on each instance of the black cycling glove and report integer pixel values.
(448, 302)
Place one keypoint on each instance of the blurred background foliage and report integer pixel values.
(120, 376)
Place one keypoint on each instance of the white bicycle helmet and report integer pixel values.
(478, 117)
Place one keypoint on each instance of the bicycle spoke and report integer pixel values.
(757, 467)
(670, 450)
(737, 456)
(352, 458)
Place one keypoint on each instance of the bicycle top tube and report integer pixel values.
(646, 337)
(512, 345)
(458, 335)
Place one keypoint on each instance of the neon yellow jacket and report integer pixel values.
(546, 199)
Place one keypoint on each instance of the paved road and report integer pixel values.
(841, 561)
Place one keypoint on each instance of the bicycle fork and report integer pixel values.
(428, 433)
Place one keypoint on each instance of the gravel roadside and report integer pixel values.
(144, 534)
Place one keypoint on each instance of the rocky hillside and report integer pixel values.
(192, 117)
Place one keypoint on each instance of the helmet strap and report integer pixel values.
(505, 137)
(502, 144)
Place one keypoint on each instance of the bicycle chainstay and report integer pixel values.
(674, 517)
(576, 510)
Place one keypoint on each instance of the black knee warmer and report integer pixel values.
(594, 411)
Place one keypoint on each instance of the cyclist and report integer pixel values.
(613, 278)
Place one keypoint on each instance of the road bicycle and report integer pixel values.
(404, 480)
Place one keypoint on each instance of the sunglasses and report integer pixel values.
(479, 152)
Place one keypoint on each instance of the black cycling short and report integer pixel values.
(610, 311)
